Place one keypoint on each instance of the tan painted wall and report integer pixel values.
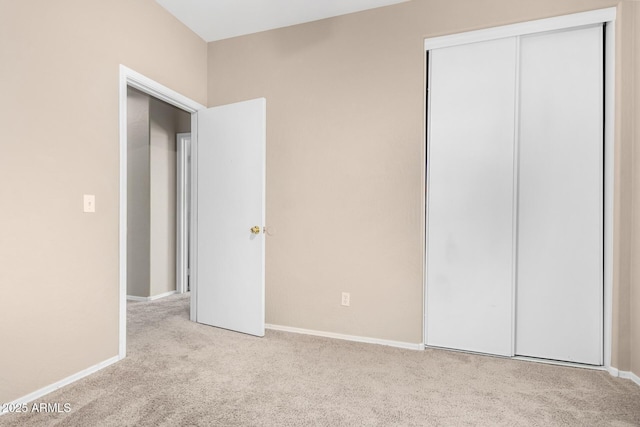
(138, 182)
(345, 158)
(626, 217)
(165, 122)
(59, 117)
(634, 300)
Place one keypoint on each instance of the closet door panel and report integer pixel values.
(560, 196)
(470, 197)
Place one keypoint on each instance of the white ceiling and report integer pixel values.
(221, 19)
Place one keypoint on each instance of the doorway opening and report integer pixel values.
(145, 86)
(225, 211)
(158, 143)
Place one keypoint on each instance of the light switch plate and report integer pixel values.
(89, 203)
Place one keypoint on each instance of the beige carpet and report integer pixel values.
(181, 373)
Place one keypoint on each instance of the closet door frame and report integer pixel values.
(601, 16)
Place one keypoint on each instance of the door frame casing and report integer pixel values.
(606, 16)
(131, 78)
(183, 154)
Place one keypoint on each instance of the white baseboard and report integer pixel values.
(152, 298)
(630, 376)
(398, 344)
(66, 381)
(615, 372)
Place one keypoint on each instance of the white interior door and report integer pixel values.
(230, 201)
(560, 246)
(470, 197)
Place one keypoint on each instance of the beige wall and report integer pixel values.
(634, 300)
(345, 159)
(138, 183)
(166, 122)
(59, 117)
(626, 216)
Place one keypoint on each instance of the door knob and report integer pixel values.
(255, 229)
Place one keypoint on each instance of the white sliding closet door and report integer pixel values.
(470, 196)
(560, 202)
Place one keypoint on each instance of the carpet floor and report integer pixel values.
(179, 373)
